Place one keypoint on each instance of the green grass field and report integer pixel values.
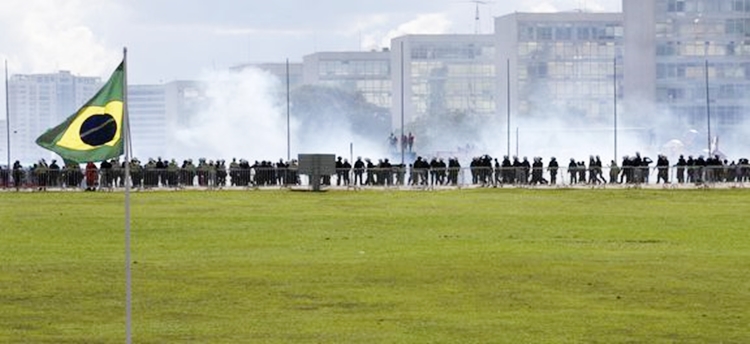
(469, 266)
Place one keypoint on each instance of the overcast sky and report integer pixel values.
(179, 39)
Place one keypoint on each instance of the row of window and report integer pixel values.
(697, 70)
(458, 51)
(567, 70)
(703, 49)
(568, 90)
(354, 68)
(567, 50)
(697, 92)
(568, 32)
(456, 87)
(704, 6)
(421, 70)
(464, 104)
(721, 115)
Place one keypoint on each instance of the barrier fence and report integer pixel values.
(269, 177)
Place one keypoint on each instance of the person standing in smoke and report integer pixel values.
(339, 171)
(442, 171)
(645, 169)
(387, 172)
(18, 174)
(370, 172)
(614, 171)
(105, 169)
(525, 170)
(625, 168)
(690, 169)
(219, 167)
(234, 167)
(681, 164)
(410, 142)
(537, 172)
(393, 142)
(599, 170)
(744, 170)
(41, 173)
(517, 170)
(593, 178)
(582, 172)
(347, 170)
(497, 174)
(433, 171)
(637, 166)
(573, 171)
(53, 174)
(473, 170)
(92, 176)
(454, 168)
(552, 168)
(359, 169)
(507, 172)
(700, 166)
(243, 173)
(662, 167)
(419, 170)
(161, 171)
(173, 173)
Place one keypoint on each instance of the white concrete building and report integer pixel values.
(443, 73)
(39, 102)
(668, 44)
(158, 111)
(560, 64)
(358, 72)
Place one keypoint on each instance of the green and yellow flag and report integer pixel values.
(95, 132)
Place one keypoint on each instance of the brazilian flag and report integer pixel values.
(95, 132)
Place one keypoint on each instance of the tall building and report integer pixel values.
(559, 64)
(358, 72)
(443, 74)
(40, 101)
(670, 47)
(147, 108)
(157, 111)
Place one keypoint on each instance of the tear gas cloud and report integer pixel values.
(556, 134)
(246, 118)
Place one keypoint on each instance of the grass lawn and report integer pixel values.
(468, 266)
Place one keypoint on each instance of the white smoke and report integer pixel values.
(243, 119)
(247, 119)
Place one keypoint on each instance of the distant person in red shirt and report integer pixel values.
(92, 176)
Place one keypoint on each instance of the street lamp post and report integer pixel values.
(696, 22)
(708, 101)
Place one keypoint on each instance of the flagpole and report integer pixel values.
(127, 149)
(7, 121)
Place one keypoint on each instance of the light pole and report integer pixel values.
(288, 126)
(508, 101)
(402, 105)
(7, 118)
(614, 98)
(706, 43)
(708, 102)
